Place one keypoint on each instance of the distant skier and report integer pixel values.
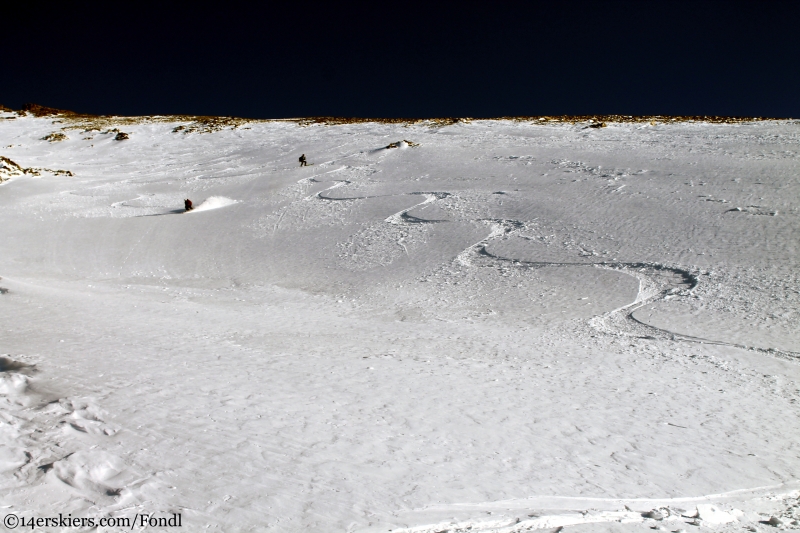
(188, 204)
(303, 162)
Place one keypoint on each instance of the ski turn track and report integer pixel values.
(657, 282)
(402, 216)
(516, 516)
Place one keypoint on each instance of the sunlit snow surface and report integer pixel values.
(509, 327)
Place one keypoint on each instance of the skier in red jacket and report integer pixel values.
(188, 204)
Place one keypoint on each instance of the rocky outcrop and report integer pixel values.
(55, 137)
(401, 144)
(10, 169)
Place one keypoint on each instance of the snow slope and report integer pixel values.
(512, 326)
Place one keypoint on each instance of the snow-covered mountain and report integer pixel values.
(503, 325)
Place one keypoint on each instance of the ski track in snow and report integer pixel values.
(336, 185)
(652, 285)
(711, 511)
(652, 288)
(403, 216)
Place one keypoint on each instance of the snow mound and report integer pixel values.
(401, 144)
(214, 202)
(711, 514)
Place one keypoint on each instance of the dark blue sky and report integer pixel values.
(401, 59)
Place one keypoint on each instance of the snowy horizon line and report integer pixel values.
(38, 110)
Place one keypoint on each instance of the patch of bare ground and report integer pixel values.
(55, 137)
(111, 123)
(10, 169)
(4, 109)
(208, 124)
(592, 121)
(599, 121)
(336, 121)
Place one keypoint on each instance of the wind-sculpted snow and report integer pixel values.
(507, 326)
